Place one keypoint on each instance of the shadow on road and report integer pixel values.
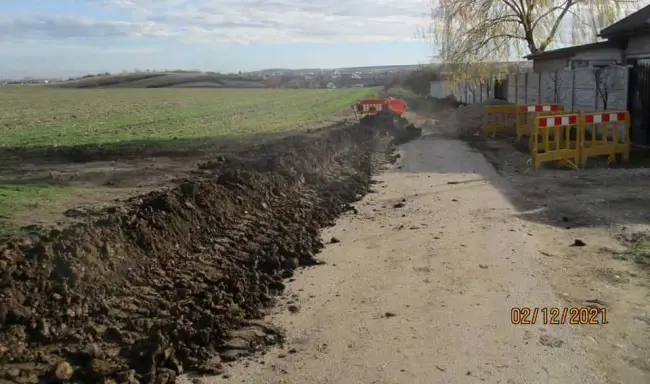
(592, 197)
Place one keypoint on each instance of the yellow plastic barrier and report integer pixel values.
(558, 113)
(499, 119)
(557, 143)
(526, 115)
(606, 133)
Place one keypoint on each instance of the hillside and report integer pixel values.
(380, 68)
(164, 80)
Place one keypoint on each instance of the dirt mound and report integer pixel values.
(175, 279)
(469, 118)
(390, 124)
(465, 121)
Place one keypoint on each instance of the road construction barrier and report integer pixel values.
(526, 116)
(370, 106)
(398, 106)
(374, 106)
(557, 113)
(606, 133)
(560, 136)
(499, 119)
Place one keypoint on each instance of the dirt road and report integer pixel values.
(420, 289)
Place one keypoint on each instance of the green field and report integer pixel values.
(41, 116)
(37, 117)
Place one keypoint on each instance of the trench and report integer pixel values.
(177, 280)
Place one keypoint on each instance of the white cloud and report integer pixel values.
(230, 21)
(61, 27)
(103, 50)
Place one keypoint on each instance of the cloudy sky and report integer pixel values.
(69, 37)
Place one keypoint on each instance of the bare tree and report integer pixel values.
(468, 34)
(602, 92)
(471, 92)
(604, 78)
(555, 78)
(590, 24)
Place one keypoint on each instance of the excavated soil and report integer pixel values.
(176, 279)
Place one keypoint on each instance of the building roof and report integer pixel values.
(635, 21)
(569, 51)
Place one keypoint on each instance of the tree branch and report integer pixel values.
(550, 11)
(477, 31)
(515, 8)
(551, 34)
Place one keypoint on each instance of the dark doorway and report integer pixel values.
(639, 100)
(501, 89)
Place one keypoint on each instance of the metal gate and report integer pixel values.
(639, 101)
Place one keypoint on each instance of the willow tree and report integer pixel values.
(471, 35)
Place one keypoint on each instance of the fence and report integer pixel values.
(469, 93)
(578, 89)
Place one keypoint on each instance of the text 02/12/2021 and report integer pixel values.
(558, 315)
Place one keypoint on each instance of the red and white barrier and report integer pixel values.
(556, 121)
(603, 117)
(540, 108)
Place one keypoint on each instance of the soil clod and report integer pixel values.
(578, 243)
(550, 341)
(63, 371)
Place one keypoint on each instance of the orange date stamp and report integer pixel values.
(558, 315)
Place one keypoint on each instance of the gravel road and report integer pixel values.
(420, 289)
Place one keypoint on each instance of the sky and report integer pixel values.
(74, 37)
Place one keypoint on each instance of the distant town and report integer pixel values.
(280, 78)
